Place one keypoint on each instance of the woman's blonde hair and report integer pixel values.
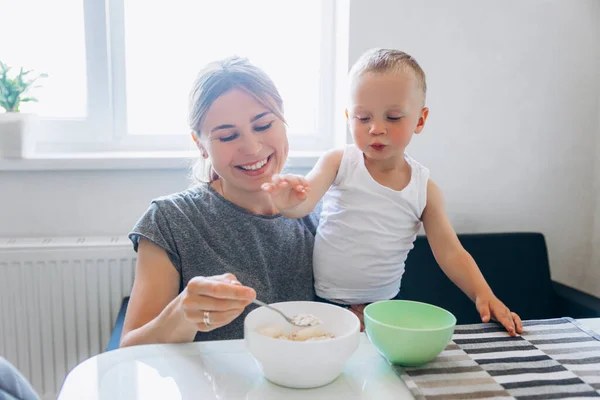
(218, 78)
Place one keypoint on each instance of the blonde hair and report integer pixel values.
(218, 78)
(388, 61)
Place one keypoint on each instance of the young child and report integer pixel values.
(375, 197)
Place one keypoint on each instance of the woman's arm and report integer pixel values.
(153, 314)
(158, 314)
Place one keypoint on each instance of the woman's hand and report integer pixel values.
(287, 191)
(490, 307)
(212, 302)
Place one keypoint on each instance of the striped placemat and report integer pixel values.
(553, 359)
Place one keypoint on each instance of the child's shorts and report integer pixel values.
(322, 300)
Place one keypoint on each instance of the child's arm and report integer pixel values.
(296, 196)
(458, 264)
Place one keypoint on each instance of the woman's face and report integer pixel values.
(246, 143)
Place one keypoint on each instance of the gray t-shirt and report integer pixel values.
(204, 234)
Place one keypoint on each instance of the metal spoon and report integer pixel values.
(296, 320)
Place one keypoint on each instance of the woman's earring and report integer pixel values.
(200, 147)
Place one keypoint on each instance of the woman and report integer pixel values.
(195, 247)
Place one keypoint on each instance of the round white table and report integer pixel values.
(222, 370)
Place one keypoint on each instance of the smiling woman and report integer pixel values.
(247, 150)
(195, 247)
(236, 84)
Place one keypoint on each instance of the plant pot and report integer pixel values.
(17, 134)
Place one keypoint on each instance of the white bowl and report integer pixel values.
(307, 364)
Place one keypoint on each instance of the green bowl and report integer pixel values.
(408, 333)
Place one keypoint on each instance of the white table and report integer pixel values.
(222, 370)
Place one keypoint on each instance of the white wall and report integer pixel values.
(74, 203)
(514, 96)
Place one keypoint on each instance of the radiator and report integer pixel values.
(59, 298)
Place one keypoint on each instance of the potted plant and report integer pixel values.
(16, 128)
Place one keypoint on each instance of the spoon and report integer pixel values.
(301, 320)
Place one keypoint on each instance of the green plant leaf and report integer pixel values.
(12, 89)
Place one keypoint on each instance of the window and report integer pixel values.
(120, 71)
(59, 52)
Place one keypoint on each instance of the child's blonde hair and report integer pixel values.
(218, 78)
(388, 61)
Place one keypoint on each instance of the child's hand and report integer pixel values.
(490, 307)
(287, 191)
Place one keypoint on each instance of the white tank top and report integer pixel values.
(365, 232)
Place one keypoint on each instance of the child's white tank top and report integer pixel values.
(365, 232)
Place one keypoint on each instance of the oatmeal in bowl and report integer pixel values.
(297, 335)
(286, 354)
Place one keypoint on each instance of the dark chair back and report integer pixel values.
(515, 266)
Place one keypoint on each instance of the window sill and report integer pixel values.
(182, 160)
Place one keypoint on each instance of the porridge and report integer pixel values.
(306, 320)
(310, 333)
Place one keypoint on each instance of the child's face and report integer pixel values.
(385, 110)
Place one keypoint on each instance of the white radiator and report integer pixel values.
(59, 298)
